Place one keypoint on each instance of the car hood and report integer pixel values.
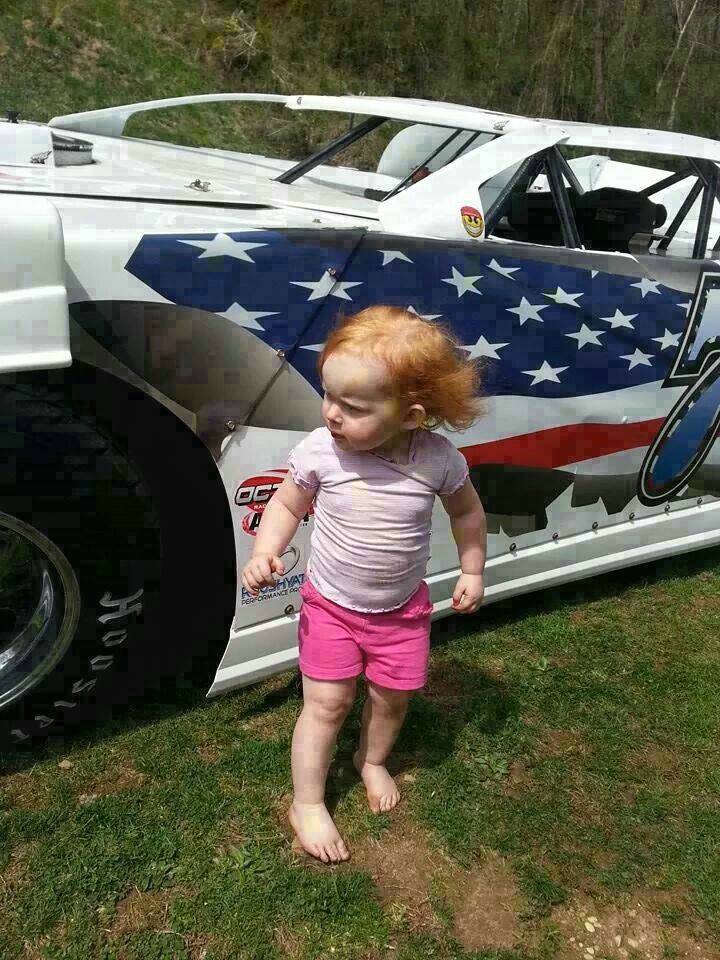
(134, 169)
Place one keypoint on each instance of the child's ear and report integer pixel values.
(416, 415)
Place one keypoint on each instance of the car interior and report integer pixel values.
(607, 219)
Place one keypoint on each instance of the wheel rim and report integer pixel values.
(39, 607)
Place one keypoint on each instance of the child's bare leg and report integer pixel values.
(326, 704)
(383, 716)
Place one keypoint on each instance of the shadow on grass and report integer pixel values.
(453, 695)
(571, 595)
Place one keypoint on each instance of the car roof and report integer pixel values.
(579, 134)
(110, 121)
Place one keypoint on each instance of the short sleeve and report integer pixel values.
(302, 463)
(456, 471)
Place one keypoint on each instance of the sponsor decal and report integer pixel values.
(254, 493)
(472, 220)
(286, 585)
(688, 432)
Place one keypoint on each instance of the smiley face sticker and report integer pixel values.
(472, 220)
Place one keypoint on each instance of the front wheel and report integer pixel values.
(100, 557)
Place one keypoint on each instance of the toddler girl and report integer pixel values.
(388, 377)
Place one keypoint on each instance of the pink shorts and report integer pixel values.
(393, 647)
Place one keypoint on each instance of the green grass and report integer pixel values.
(572, 733)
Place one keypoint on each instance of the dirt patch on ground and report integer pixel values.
(37, 950)
(413, 876)
(287, 943)
(26, 791)
(415, 879)
(149, 911)
(519, 779)
(404, 868)
(560, 743)
(208, 752)
(32, 791)
(657, 759)
(17, 872)
(630, 929)
(487, 904)
(116, 779)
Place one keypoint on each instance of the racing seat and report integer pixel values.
(606, 219)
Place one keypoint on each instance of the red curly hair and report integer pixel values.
(424, 361)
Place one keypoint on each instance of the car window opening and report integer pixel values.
(545, 203)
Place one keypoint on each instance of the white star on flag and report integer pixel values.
(594, 273)
(505, 271)
(546, 372)
(586, 335)
(668, 340)
(224, 246)
(461, 283)
(317, 347)
(326, 286)
(528, 311)
(484, 349)
(646, 286)
(637, 359)
(390, 255)
(246, 318)
(685, 306)
(560, 296)
(620, 320)
(424, 316)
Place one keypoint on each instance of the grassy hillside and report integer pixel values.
(643, 62)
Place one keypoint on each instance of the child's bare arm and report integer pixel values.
(467, 521)
(280, 519)
(469, 527)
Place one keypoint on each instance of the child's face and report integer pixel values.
(358, 407)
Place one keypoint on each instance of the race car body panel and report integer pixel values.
(589, 288)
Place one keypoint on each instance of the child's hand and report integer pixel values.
(468, 592)
(258, 572)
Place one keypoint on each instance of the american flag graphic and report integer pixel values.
(573, 357)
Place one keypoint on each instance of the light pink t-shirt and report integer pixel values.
(371, 540)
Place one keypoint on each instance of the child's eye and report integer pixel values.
(347, 405)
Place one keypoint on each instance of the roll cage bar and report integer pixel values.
(556, 167)
(362, 129)
(557, 170)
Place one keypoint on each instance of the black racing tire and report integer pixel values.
(114, 566)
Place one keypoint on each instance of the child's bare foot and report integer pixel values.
(382, 792)
(316, 832)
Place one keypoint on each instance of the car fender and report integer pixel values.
(34, 319)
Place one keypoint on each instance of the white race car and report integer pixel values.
(161, 312)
